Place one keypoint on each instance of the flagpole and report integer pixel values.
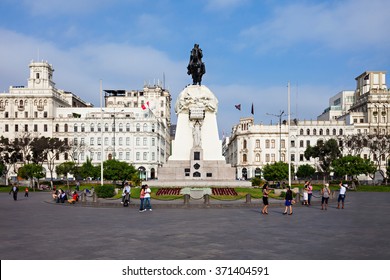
(101, 133)
(288, 133)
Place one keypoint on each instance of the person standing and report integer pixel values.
(266, 192)
(309, 193)
(142, 198)
(341, 198)
(288, 201)
(305, 193)
(26, 192)
(147, 198)
(325, 191)
(14, 191)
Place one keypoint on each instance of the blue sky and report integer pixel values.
(251, 48)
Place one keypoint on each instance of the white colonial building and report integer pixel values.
(364, 111)
(133, 127)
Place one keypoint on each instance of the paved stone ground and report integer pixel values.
(34, 229)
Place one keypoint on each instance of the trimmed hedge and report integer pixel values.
(105, 191)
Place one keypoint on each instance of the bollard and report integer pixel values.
(248, 198)
(83, 197)
(94, 197)
(206, 198)
(186, 199)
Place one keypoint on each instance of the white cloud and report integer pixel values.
(55, 7)
(120, 66)
(344, 25)
(218, 5)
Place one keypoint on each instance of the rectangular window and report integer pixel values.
(144, 141)
(292, 144)
(91, 141)
(82, 141)
(145, 156)
(99, 156)
(137, 156)
(266, 157)
(301, 157)
(307, 143)
(209, 175)
(127, 155)
(16, 128)
(153, 141)
(267, 144)
(153, 156)
(272, 157)
(196, 155)
(26, 127)
(35, 114)
(127, 141)
(120, 155)
(105, 141)
(6, 128)
(99, 141)
(292, 157)
(45, 114)
(283, 144)
(187, 172)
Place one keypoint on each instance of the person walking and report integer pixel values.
(147, 198)
(325, 192)
(266, 192)
(26, 192)
(142, 198)
(341, 198)
(288, 201)
(14, 190)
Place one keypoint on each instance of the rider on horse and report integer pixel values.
(196, 67)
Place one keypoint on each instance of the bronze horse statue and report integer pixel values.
(196, 67)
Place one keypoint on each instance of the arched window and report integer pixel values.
(308, 132)
(334, 131)
(75, 127)
(301, 132)
(258, 157)
(99, 127)
(127, 127)
(92, 127)
(327, 131)
(321, 131)
(66, 127)
(340, 132)
(244, 157)
(82, 127)
(120, 127)
(244, 144)
(57, 127)
(138, 127)
(106, 127)
(314, 131)
(145, 127)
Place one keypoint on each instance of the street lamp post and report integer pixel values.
(280, 131)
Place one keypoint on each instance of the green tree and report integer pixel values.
(66, 168)
(305, 171)
(87, 169)
(275, 172)
(120, 171)
(325, 152)
(353, 166)
(31, 171)
(10, 155)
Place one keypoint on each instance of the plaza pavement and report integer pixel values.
(33, 228)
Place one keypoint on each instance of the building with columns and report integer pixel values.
(363, 112)
(133, 126)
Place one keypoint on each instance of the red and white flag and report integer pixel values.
(145, 106)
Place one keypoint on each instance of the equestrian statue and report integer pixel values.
(196, 67)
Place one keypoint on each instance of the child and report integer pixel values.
(26, 192)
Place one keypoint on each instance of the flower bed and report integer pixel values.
(168, 191)
(224, 191)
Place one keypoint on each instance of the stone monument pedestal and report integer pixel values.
(196, 158)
